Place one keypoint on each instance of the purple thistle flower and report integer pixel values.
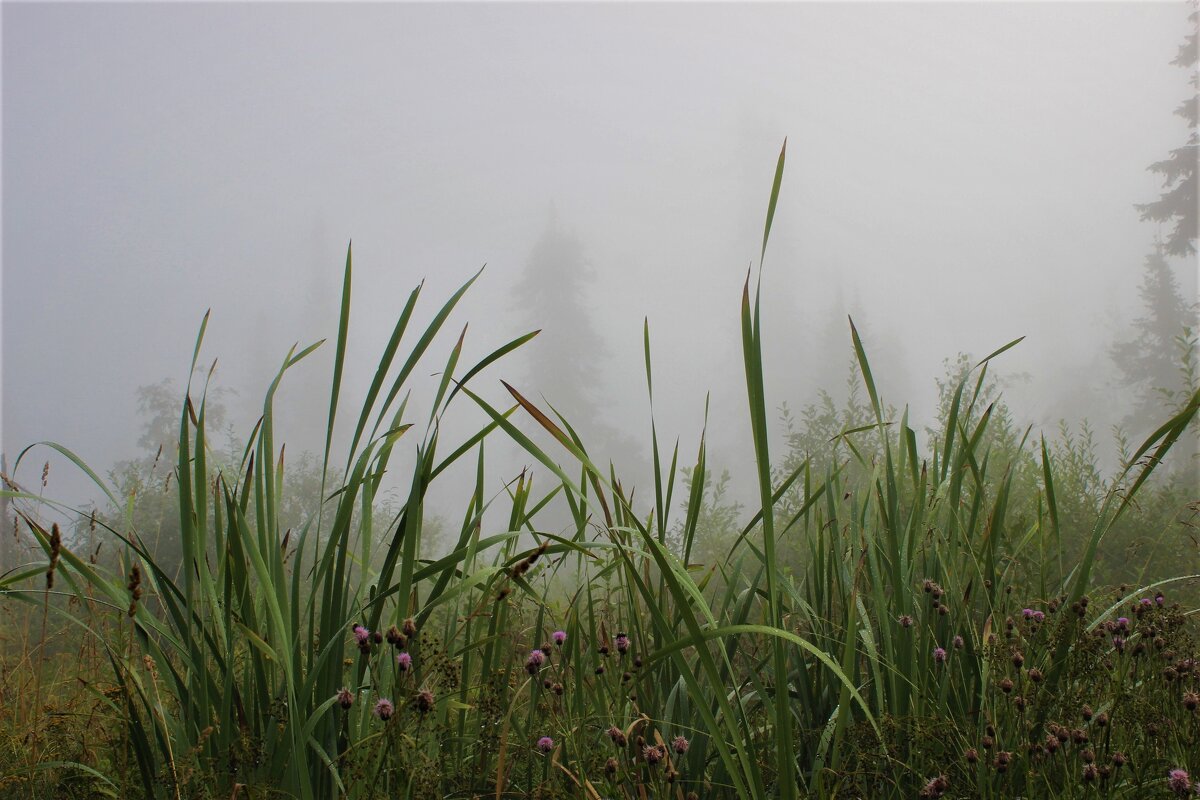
(939, 655)
(384, 709)
(1123, 623)
(404, 662)
(1027, 613)
(559, 637)
(622, 642)
(680, 744)
(936, 787)
(1159, 600)
(535, 661)
(1039, 616)
(958, 642)
(345, 698)
(1145, 602)
(362, 636)
(1178, 781)
(1118, 643)
(545, 744)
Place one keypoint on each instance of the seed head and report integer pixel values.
(135, 588)
(423, 702)
(55, 542)
(905, 621)
(936, 787)
(622, 643)
(680, 745)
(345, 698)
(618, 736)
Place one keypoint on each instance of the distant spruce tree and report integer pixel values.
(1157, 359)
(1179, 171)
(566, 362)
(553, 295)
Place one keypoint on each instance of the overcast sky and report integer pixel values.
(958, 175)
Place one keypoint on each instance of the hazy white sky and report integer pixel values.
(958, 175)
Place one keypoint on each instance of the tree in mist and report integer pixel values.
(148, 482)
(1157, 359)
(567, 359)
(1179, 171)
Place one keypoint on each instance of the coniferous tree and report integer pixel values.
(552, 292)
(566, 362)
(1154, 360)
(1179, 171)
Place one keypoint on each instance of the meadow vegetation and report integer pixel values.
(984, 616)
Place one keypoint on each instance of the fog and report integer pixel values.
(958, 175)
